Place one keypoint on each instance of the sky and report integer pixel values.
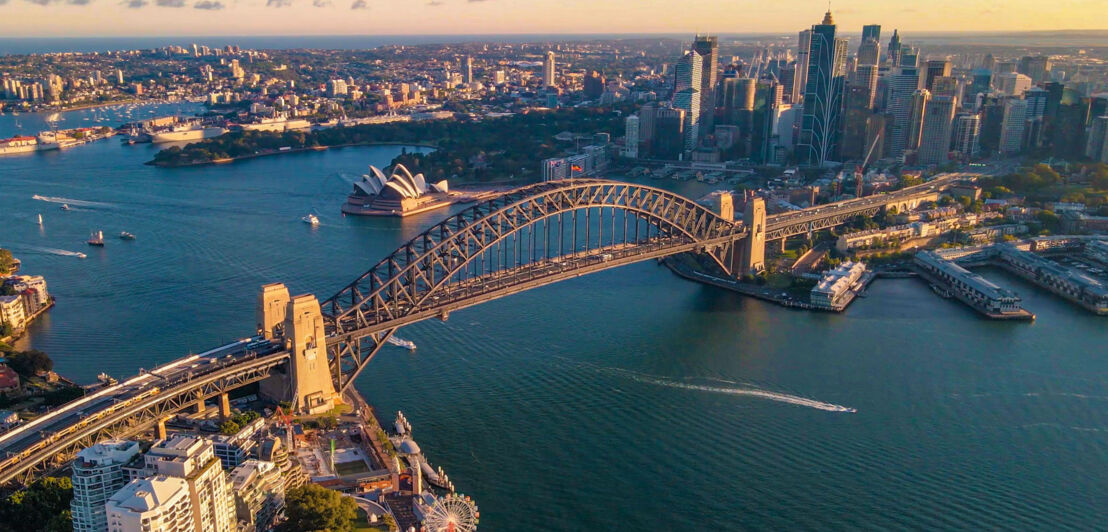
(84, 18)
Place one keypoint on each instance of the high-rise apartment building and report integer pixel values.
(259, 494)
(938, 126)
(160, 503)
(97, 475)
(194, 461)
(821, 123)
(467, 70)
(548, 70)
(631, 137)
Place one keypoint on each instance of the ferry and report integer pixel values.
(126, 236)
(310, 219)
(97, 239)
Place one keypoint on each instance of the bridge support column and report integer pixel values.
(783, 240)
(199, 405)
(753, 257)
(159, 430)
(224, 406)
(313, 390)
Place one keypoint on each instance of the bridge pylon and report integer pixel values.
(308, 383)
(752, 256)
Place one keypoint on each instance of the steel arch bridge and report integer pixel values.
(529, 237)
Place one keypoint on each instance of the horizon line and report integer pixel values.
(537, 34)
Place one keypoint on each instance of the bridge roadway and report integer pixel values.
(133, 405)
(469, 292)
(819, 217)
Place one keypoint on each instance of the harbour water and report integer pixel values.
(624, 400)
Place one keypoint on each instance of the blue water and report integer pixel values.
(616, 401)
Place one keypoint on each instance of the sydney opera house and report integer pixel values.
(398, 194)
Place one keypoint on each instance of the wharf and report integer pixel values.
(1021, 315)
(759, 292)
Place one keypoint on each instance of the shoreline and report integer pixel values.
(282, 152)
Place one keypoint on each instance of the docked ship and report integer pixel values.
(278, 125)
(187, 132)
(19, 144)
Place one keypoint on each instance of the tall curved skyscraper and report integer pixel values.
(821, 123)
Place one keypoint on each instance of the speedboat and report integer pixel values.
(81, 255)
(310, 219)
(126, 236)
(65, 206)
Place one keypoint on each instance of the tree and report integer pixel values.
(318, 509)
(44, 505)
(31, 362)
(6, 261)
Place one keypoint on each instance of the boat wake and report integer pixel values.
(62, 252)
(753, 392)
(69, 201)
(400, 342)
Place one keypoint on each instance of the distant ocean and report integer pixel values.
(30, 45)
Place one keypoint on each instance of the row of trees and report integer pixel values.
(477, 150)
(43, 506)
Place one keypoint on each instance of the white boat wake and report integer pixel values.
(748, 392)
(69, 201)
(61, 252)
(406, 344)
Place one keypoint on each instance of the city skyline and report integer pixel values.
(94, 18)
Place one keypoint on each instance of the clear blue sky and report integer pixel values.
(318, 17)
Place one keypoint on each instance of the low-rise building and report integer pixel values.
(833, 287)
(9, 380)
(8, 419)
(970, 287)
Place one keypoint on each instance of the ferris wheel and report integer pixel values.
(452, 513)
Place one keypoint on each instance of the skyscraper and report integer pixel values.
(857, 110)
(1011, 130)
(548, 70)
(707, 47)
(800, 76)
(823, 96)
(920, 98)
(631, 137)
(936, 68)
(869, 51)
(967, 129)
(894, 49)
(467, 72)
(97, 474)
(938, 126)
(669, 133)
(686, 94)
(901, 86)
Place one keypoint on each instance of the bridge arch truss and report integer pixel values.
(528, 237)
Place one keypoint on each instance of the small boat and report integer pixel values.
(65, 206)
(97, 239)
(310, 219)
(126, 236)
(81, 255)
(40, 219)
